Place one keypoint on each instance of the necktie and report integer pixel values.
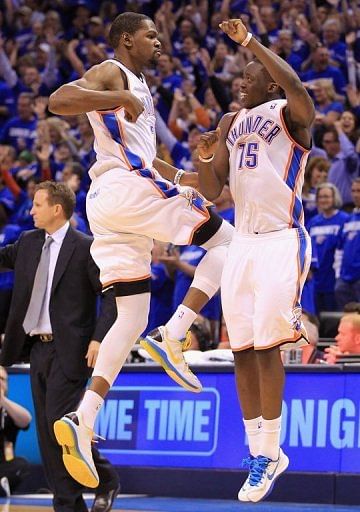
(39, 288)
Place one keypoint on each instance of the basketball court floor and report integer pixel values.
(132, 503)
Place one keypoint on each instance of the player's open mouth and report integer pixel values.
(243, 95)
(157, 53)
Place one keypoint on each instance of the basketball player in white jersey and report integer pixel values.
(128, 205)
(266, 145)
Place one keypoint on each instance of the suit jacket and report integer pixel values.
(73, 300)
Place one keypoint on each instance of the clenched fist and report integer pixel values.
(235, 29)
(209, 142)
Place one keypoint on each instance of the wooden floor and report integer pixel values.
(162, 504)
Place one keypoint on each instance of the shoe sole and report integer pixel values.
(74, 462)
(283, 469)
(160, 356)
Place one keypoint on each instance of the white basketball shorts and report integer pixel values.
(127, 210)
(261, 288)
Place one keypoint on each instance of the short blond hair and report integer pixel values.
(354, 319)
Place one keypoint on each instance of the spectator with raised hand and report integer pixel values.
(23, 24)
(316, 172)
(39, 74)
(186, 111)
(257, 20)
(212, 107)
(196, 12)
(347, 261)
(52, 21)
(270, 20)
(325, 230)
(213, 36)
(223, 62)
(185, 29)
(223, 95)
(43, 152)
(350, 126)
(7, 102)
(344, 160)
(164, 83)
(59, 134)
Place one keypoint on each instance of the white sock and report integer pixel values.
(180, 322)
(253, 430)
(89, 407)
(270, 438)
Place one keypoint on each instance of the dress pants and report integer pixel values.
(54, 395)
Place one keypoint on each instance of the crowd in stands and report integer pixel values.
(44, 44)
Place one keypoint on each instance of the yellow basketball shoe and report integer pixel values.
(75, 439)
(169, 353)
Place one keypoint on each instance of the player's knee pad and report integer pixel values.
(208, 273)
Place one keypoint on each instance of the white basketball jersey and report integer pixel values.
(133, 145)
(266, 170)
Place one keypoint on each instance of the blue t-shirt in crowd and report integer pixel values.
(22, 216)
(8, 235)
(161, 303)
(325, 236)
(309, 205)
(18, 133)
(334, 106)
(192, 255)
(171, 83)
(7, 199)
(330, 72)
(350, 243)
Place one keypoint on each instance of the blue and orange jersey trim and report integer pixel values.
(293, 172)
(301, 260)
(117, 132)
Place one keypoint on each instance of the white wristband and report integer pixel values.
(247, 39)
(178, 176)
(206, 160)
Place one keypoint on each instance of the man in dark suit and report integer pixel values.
(53, 315)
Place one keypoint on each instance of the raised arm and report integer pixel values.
(101, 88)
(300, 111)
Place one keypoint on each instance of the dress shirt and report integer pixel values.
(44, 324)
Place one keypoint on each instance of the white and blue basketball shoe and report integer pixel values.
(262, 475)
